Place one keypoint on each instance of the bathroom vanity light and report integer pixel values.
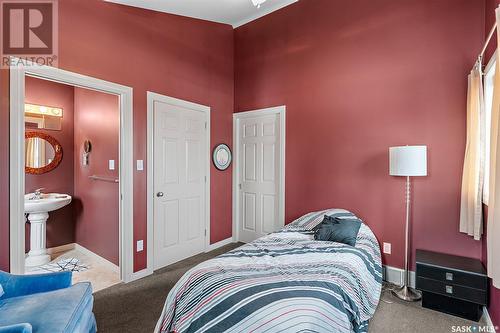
(43, 110)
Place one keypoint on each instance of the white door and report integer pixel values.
(180, 155)
(260, 205)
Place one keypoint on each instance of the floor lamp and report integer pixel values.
(407, 161)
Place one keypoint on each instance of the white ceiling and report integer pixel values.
(233, 12)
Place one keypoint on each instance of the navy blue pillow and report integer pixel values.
(339, 230)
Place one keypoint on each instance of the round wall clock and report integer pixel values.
(222, 157)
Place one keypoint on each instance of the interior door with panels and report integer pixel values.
(180, 210)
(259, 176)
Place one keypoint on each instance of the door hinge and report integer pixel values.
(240, 186)
(206, 125)
(205, 179)
(205, 232)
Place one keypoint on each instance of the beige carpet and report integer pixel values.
(136, 307)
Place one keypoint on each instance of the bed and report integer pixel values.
(282, 282)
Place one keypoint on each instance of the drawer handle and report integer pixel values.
(449, 276)
(449, 289)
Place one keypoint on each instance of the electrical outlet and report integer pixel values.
(387, 248)
(140, 165)
(140, 245)
(111, 164)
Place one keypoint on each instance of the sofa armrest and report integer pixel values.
(18, 328)
(21, 285)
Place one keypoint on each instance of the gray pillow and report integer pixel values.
(335, 229)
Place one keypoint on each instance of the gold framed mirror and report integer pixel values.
(43, 153)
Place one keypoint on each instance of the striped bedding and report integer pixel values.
(283, 282)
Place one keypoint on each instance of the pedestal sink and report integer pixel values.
(38, 207)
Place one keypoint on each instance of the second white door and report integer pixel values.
(180, 181)
(260, 160)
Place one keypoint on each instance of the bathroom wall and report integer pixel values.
(96, 203)
(60, 226)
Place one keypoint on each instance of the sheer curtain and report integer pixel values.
(471, 207)
(493, 239)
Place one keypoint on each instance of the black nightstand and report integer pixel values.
(452, 284)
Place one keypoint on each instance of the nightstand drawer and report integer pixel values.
(452, 290)
(454, 277)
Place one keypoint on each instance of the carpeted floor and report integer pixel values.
(136, 307)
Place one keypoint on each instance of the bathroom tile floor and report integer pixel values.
(100, 273)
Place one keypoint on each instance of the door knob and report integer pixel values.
(159, 194)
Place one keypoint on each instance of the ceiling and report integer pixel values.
(233, 12)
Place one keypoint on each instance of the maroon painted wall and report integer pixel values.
(494, 308)
(60, 225)
(172, 55)
(96, 203)
(358, 77)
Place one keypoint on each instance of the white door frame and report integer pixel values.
(152, 97)
(18, 74)
(281, 111)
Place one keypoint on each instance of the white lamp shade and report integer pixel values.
(408, 161)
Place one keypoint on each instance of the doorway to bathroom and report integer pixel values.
(71, 201)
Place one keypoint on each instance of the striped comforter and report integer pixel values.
(283, 282)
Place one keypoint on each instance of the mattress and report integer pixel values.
(283, 282)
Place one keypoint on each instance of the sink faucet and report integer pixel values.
(38, 193)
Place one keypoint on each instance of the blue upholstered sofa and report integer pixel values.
(45, 303)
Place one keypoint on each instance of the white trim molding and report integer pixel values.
(396, 276)
(268, 9)
(281, 111)
(60, 249)
(18, 74)
(151, 98)
(220, 244)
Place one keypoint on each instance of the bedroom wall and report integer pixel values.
(177, 56)
(60, 225)
(97, 118)
(358, 77)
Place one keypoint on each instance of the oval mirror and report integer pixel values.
(43, 153)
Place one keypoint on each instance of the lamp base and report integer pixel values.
(407, 294)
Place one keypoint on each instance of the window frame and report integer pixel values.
(488, 83)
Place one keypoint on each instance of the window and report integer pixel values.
(489, 78)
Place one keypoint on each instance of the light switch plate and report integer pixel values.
(387, 248)
(140, 165)
(111, 164)
(140, 245)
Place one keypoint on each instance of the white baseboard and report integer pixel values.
(140, 274)
(222, 243)
(396, 276)
(97, 257)
(488, 321)
(62, 248)
(84, 250)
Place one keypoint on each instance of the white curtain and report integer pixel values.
(494, 200)
(471, 207)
